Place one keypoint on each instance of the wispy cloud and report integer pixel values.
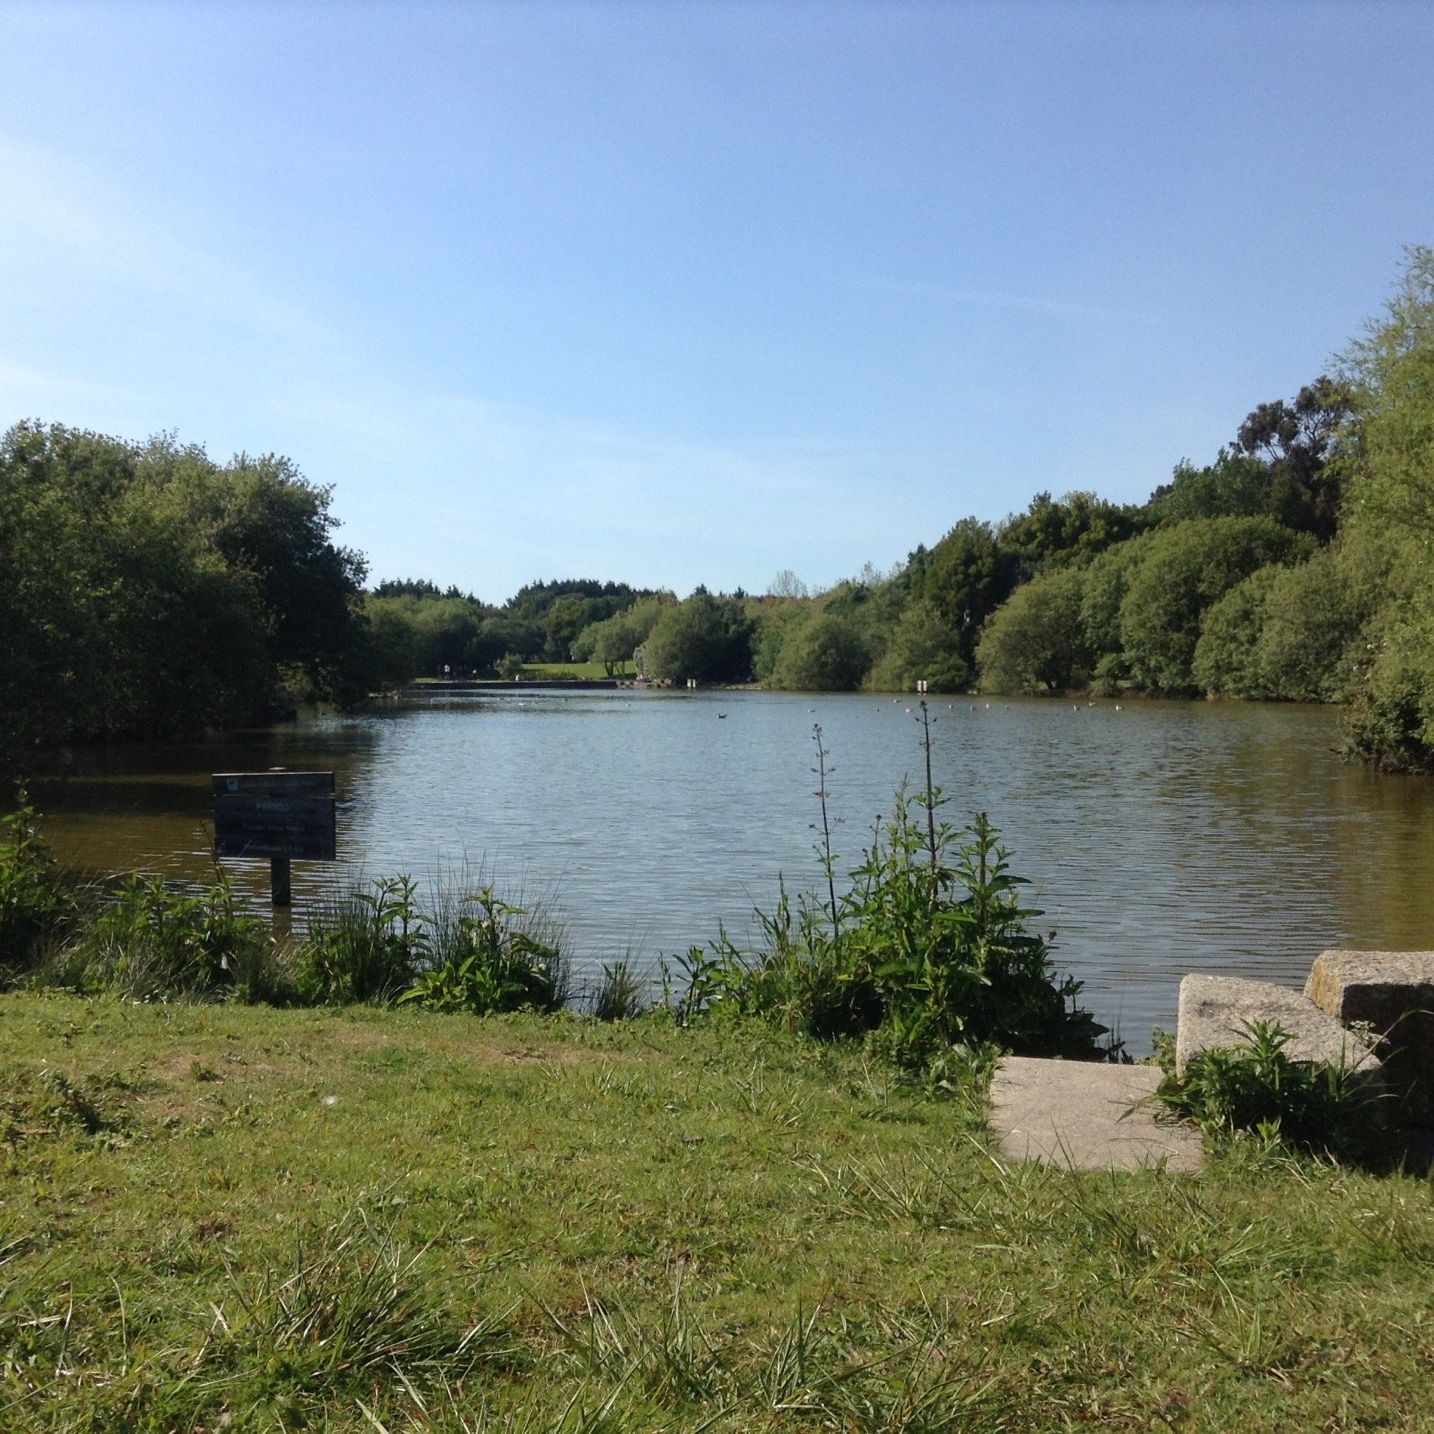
(62, 212)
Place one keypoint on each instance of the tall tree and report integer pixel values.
(1388, 468)
(1296, 439)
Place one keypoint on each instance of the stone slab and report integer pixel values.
(1086, 1116)
(1392, 992)
(1217, 1011)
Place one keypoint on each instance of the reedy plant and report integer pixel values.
(620, 996)
(491, 963)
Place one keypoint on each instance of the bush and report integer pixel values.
(367, 946)
(490, 963)
(35, 899)
(929, 951)
(150, 941)
(1257, 1088)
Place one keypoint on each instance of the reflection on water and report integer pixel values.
(1159, 839)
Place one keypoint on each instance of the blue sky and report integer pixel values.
(688, 293)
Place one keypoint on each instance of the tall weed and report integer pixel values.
(35, 897)
(366, 945)
(153, 942)
(929, 953)
(491, 961)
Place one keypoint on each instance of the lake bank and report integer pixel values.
(1159, 839)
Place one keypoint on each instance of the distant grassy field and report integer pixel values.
(214, 1217)
(550, 672)
(570, 671)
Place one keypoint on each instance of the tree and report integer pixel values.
(1035, 641)
(922, 648)
(148, 591)
(268, 521)
(615, 640)
(787, 585)
(1065, 532)
(705, 638)
(1107, 581)
(822, 653)
(1226, 659)
(965, 578)
(1185, 569)
(1233, 486)
(1297, 440)
(1388, 469)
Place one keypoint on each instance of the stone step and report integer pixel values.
(1392, 994)
(1086, 1116)
(1216, 1012)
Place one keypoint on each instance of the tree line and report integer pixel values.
(153, 591)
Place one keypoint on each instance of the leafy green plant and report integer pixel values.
(367, 946)
(35, 899)
(704, 980)
(1257, 1087)
(155, 942)
(491, 963)
(929, 953)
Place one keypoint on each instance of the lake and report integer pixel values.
(1159, 838)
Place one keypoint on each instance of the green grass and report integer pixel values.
(549, 672)
(224, 1217)
(569, 671)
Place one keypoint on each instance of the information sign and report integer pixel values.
(282, 816)
(261, 814)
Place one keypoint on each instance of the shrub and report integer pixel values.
(929, 950)
(151, 941)
(367, 946)
(491, 962)
(35, 898)
(1257, 1087)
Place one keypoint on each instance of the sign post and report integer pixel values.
(285, 816)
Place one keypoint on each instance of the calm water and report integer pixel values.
(1159, 839)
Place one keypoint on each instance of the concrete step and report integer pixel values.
(1217, 1011)
(1086, 1116)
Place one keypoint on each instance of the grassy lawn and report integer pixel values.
(569, 671)
(546, 672)
(214, 1217)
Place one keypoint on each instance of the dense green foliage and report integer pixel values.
(1257, 1088)
(419, 631)
(928, 954)
(1390, 503)
(35, 900)
(706, 639)
(147, 590)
